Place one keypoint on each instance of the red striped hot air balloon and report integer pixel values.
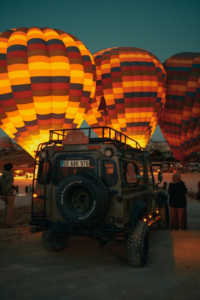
(130, 92)
(180, 119)
(46, 82)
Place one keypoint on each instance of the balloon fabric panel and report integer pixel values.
(46, 82)
(132, 82)
(180, 122)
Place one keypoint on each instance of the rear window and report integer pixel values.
(150, 175)
(109, 171)
(41, 172)
(142, 174)
(129, 173)
(68, 164)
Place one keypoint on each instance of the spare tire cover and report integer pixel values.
(82, 199)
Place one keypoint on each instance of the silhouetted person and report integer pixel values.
(32, 190)
(165, 186)
(29, 190)
(177, 202)
(17, 190)
(26, 190)
(198, 194)
(6, 182)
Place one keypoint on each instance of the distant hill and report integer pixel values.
(16, 156)
(162, 146)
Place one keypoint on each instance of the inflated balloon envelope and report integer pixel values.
(46, 82)
(130, 92)
(180, 118)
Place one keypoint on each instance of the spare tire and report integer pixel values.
(82, 199)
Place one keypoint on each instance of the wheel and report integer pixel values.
(138, 244)
(54, 241)
(163, 222)
(82, 199)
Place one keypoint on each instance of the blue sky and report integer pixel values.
(161, 27)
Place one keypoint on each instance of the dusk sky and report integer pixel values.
(161, 27)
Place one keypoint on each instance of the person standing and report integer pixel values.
(6, 182)
(17, 190)
(178, 203)
(26, 190)
(29, 190)
(32, 190)
(165, 186)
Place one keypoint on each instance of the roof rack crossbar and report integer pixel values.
(112, 134)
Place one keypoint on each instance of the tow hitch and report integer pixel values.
(35, 229)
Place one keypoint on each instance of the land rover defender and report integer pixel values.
(100, 187)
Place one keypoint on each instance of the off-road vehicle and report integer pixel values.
(101, 188)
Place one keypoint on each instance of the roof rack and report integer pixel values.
(104, 133)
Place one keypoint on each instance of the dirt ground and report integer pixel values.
(22, 182)
(85, 271)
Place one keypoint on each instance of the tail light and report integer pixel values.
(119, 220)
(93, 147)
(119, 198)
(58, 148)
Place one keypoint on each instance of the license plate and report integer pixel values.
(75, 163)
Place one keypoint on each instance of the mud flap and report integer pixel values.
(162, 199)
(137, 209)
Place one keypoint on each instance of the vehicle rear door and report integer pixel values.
(144, 191)
(151, 187)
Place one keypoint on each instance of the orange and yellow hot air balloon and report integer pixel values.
(130, 92)
(46, 82)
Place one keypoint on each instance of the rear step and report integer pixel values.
(151, 222)
(35, 229)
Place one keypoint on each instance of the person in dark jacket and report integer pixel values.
(26, 190)
(178, 203)
(6, 182)
(17, 190)
(165, 186)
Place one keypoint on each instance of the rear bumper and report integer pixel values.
(103, 229)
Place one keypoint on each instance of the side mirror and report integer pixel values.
(160, 176)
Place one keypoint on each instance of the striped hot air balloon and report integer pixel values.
(130, 92)
(180, 119)
(46, 82)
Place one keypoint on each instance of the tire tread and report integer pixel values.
(163, 222)
(134, 244)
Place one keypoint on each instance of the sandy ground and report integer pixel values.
(85, 271)
(22, 182)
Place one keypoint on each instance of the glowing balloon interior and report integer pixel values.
(46, 82)
(130, 92)
(180, 122)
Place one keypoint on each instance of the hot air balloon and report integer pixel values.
(130, 92)
(46, 82)
(179, 121)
